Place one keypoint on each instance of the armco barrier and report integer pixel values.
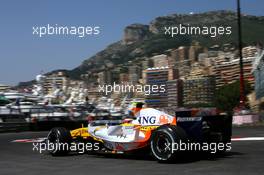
(245, 119)
(13, 126)
(10, 121)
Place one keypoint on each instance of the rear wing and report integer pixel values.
(196, 126)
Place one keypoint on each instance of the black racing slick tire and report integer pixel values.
(58, 141)
(163, 142)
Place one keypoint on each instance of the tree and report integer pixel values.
(228, 96)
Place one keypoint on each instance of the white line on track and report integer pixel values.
(248, 139)
(29, 140)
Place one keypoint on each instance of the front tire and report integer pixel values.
(59, 140)
(163, 140)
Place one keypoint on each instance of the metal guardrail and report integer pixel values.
(9, 111)
(12, 120)
(13, 126)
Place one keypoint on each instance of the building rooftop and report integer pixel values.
(256, 62)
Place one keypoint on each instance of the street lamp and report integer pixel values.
(242, 83)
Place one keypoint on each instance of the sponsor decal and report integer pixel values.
(109, 145)
(145, 128)
(163, 119)
(188, 119)
(119, 147)
(143, 120)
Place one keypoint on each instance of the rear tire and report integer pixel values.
(163, 140)
(60, 138)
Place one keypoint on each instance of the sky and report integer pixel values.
(24, 55)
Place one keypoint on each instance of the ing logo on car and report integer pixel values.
(144, 120)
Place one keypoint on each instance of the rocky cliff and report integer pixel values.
(146, 40)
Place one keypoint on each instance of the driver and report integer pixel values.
(137, 106)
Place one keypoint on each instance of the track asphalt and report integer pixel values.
(246, 157)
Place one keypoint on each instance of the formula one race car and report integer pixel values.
(152, 129)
